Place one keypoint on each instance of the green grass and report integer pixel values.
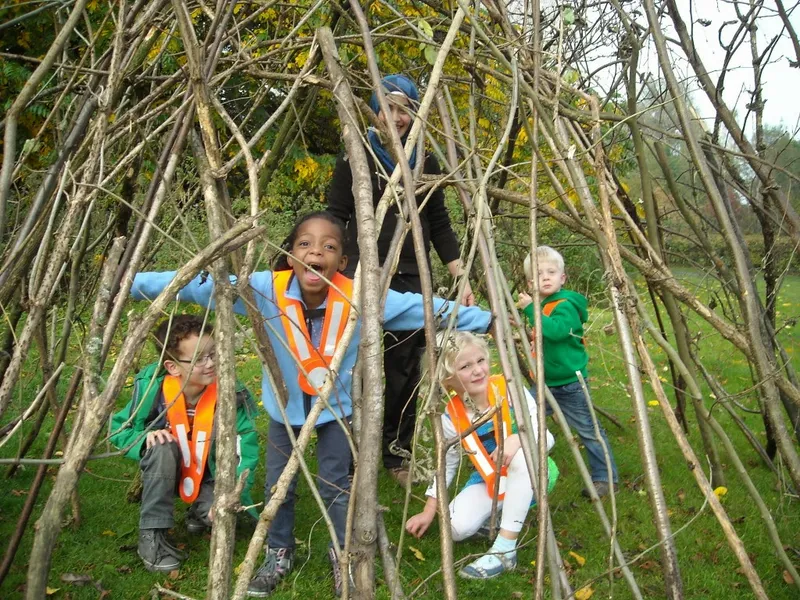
(103, 546)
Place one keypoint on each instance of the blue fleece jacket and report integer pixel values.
(402, 312)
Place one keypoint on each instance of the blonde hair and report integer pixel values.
(543, 254)
(450, 346)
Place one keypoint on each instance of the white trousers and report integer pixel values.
(472, 506)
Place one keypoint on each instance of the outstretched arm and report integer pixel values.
(200, 290)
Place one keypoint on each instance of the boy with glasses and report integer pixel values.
(168, 426)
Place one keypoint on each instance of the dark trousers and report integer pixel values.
(401, 367)
(333, 467)
(161, 468)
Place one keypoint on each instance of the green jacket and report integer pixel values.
(147, 402)
(562, 337)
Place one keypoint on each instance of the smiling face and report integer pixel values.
(471, 375)
(193, 378)
(551, 278)
(398, 112)
(316, 255)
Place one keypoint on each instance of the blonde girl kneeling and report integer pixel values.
(466, 367)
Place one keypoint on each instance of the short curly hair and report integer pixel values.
(172, 331)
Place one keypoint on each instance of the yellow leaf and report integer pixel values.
(720, 491)
(109, 533)
(417, 553)
(578, 558)
(533, 563)
(50, 591)
(653, 403)
(584, 593)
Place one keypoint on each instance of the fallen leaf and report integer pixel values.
(681, 495)
(174, 574)
(109, 533)
(50, 591)
(19, 493)
(417, 553)
(533, 563)
(720, 491)
(653, 403)
(517, 595)
(75, 578)
(648, 565)
(584, 593)
(126, 569)
(787, 577)
(578, 558)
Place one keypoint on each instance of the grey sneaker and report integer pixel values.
(277, 565)
(603, 488)
(337, 574)
(195, 525)
(156, 552)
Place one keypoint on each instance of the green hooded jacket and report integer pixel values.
(562, 337)
(147, 405)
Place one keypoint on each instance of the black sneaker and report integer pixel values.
(277, 565)
(156, 552)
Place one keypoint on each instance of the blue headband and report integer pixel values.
(395, 83)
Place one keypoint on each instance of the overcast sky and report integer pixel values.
(781, 83)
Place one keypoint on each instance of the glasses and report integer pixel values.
(201, 360)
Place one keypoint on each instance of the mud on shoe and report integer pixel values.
(156, 552)
(276, 566)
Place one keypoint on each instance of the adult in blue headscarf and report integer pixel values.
(402, 349)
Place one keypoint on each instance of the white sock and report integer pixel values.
(491, 560)
(504, 546)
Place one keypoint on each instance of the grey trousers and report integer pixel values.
(161, 466)
(333, 460)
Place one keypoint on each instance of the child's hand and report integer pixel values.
(419, 523)
(159, 436)
(510, 447)
(523, 300)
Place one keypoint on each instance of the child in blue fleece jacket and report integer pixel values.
(305, 317)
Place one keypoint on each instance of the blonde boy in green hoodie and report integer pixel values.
(563, 314)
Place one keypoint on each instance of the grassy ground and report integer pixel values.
(103, 546)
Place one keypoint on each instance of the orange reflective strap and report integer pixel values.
(314, 361)
(549, 307)
(193, 442)
(471, 443)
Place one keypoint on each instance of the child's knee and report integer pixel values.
(518, 464)
(458, 531)
(161, 458)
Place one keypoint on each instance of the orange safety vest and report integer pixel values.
(472, 444)
(194, 451)
(314, 362)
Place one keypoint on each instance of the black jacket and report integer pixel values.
(436, 226)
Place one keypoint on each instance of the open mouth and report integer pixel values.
(312, 272)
